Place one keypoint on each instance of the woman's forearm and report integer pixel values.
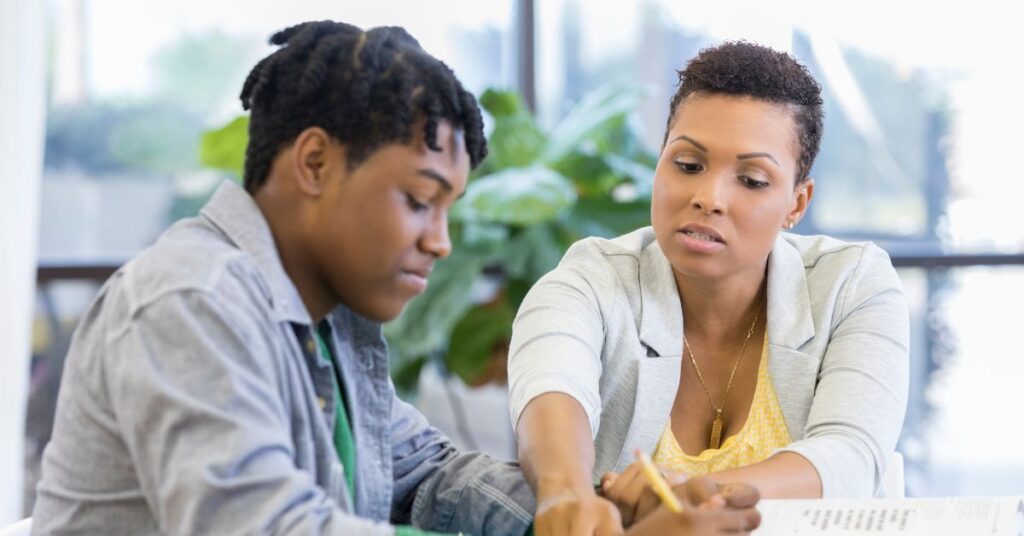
(556, 453)
(556, 449)
(786, 475)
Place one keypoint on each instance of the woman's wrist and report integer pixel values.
(564, 484)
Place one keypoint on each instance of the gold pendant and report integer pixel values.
(716, 431)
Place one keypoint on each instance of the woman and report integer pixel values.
(713, 340)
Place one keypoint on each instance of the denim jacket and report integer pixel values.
(193, 402)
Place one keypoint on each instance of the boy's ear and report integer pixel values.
(316, 154)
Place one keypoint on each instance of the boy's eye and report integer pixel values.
(414, 204)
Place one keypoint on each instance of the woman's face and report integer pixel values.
(724, 185)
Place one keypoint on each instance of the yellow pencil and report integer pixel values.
(658, 484)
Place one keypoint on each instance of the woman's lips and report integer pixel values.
(699, 242)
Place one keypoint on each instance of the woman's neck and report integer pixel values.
(719, 309)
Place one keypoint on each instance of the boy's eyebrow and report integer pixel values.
(745, 156)
(692, 141)
(434, 175)
(431, 174)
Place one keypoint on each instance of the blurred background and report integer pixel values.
(923, 119)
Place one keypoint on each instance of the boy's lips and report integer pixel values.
(416, 277)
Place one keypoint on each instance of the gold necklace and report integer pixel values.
(716, 427)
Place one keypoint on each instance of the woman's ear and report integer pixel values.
(316, 153)
(801, 199)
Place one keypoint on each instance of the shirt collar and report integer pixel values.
(232, 210)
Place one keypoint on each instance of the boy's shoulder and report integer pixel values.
(191, 256)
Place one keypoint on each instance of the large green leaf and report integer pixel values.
(532, 253)
(608, 218)
(514, 258)
(641, 174)
(406, 373)
(515, 141)
(476, 336)
(598, 110)
(518, 196)
(589, 173)
(481, 237)
(224, 148)
(502, 103)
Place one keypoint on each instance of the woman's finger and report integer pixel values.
(739, 495)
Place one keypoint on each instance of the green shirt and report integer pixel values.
(344, 441)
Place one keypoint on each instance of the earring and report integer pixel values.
(789, 225)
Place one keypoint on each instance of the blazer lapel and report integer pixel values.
(790, 326)
(656, 385)
(661, 331)
(661, 314)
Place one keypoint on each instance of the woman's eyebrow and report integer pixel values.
(745, 156)
(742, 156)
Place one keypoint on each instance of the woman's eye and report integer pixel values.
(689, 167)
(415, 205)
(752, 183)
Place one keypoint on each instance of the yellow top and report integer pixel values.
(764, 431)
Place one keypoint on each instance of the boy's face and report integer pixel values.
(376, 230)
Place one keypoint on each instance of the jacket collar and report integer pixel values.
(234, 212)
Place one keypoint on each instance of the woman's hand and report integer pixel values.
(708, 509)
(703, 520)
(632, 494)
(556, 452)
(635, 499)
(576, 513)
(705, 492)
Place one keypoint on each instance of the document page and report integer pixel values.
(957, 516)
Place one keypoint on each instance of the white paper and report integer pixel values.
(959, 516)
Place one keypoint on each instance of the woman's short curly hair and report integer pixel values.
(746, 69)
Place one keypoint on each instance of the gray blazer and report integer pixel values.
(605, 327)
